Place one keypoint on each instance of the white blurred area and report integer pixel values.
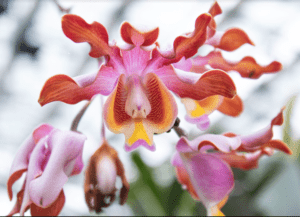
(272, 25)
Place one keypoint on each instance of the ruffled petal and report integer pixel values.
(64, 147)
(256, 140)
(211, 177)
(247, 67)
(218, 142)
(187, 46)
(53, 210)
(230, 40)
(214, 11)
(76, 29)
(213, 82)
(65, 89)
(232, 107)
(138, 38)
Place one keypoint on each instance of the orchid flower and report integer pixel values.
(49, 156)
(203, 165)
(138, 79)
(230, 40)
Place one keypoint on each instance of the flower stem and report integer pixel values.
(79, 116)
(180, 132)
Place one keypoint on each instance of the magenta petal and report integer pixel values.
(212, 178)
(65, 147)
(138, 143)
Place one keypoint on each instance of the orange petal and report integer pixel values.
(95, 34)
(187, 46)
(232, 107)
(115, 115)
(53, 210)
(213, 82)
(230, 40)
(62, 88)
(233, 38)
(214, 11)
(247, 67)
(279, 145)
(66, 89)
(136, 37)
(211, 103)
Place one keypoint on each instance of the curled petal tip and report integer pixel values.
(135, 37)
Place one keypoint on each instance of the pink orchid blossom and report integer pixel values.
(100, 178)
(208, 176)
(49, 156)
(138, 79)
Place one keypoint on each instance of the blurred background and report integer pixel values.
(34, 48)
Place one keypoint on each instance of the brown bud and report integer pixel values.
(100, 179)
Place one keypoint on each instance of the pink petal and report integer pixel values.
(38, 159)
(20, 163)
(65, 89)
(214, 82)
(65, 147)
(211, 177)
(41, 131)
